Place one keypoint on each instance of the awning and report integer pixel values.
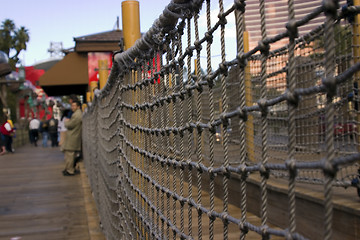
(68, 76)
(71, 70)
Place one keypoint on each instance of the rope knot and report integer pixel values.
(188, 89)
(189, 127)
(330, 85)
(291, 165)
(199, 128)
(264, 47)
(243, 228)
(198, 46)
(222, 19)
(329, 169)
(263, 106)
(292, 98)
(264, 232)
(210, 81)
(240, 5)
(330, 7)
(211, 216)
(242, 170)
(189, 51)
(242, 114)
(211, 173)
(209, 37)
(224, 119)
(264, 172)
(242, 60)
(291, 26)
(223, 69)
(199, 87)
(198, 208)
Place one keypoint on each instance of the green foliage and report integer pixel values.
(13, 40)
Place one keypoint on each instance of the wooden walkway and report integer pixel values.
(38, 202)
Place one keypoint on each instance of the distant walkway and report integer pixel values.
(38, 202)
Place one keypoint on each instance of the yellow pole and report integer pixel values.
(130, 22)
(356, 57)
(131, 32)
(103, 72)
(93, 86)
(88, 96)
(249, 133)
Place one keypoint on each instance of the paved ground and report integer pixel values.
(38, 202)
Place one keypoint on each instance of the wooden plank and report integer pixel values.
(37, 201)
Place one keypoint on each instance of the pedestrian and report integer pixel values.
(62, 128)
(6, 134)
(34, 126)
(44, 129)
(53, 131)
(2, 143)
(73, 139)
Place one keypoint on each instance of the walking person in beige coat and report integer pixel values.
(73, 138)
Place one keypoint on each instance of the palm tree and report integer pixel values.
(13, 40)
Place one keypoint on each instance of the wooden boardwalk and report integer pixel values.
(38, 202)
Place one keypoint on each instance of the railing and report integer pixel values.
(164, 131)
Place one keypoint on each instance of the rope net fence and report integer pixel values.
(181, 129)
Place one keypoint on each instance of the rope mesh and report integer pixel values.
(171, 144)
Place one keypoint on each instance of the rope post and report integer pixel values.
(194, 132)
(356, 58)
(249, 102)
(130, 22)
(103, 72)
(131, 32)
(93, 85)
(88, 97)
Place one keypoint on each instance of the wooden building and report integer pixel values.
(73, 73)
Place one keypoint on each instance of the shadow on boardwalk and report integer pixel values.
(38, 202)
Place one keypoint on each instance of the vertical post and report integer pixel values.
(93, 86)
(356, 58)
(249, 102)
(131, 32)
(195, 132)
(130, 22)
(88, 97)
(103, 72)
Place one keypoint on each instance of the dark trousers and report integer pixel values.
(54, 139)
(7, 140)
(34, 136)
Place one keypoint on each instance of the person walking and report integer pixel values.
(44, 129)
(53, 131)
(34, 126)
(73, 139)
(62, 129)
(6, 134)
(2, 138)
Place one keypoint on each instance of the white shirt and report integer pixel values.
(34, 124)
(7, 127)
(61, 125)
